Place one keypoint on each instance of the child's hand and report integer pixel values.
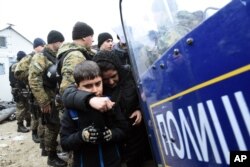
(90, 134)
(102, 104)
(107, 134)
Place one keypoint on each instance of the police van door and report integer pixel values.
(191, 63)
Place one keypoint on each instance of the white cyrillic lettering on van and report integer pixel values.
(181, 150)
(234, 124)
(187, 133)
(205, 128)
(164, 134)
(244, 109)
(218, 130)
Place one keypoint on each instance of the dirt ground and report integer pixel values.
(18, 149)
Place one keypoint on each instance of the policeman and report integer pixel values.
(19, 92)
(80, 50)
(44, 91)
(22, 72)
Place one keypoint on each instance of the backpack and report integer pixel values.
(50, 76)
(74, 116)
(14, 82)
(60, 60)
(22, 69)
(12, 79)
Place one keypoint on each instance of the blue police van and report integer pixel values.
(192, 67)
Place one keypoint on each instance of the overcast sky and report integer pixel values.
(35, 18)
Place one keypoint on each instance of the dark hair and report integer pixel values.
(107, 60)
(86, 70)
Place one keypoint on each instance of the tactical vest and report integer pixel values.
(50, 76)
(60, 60)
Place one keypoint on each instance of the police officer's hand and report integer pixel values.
(107, 134)
(136, 116)
(46, 108)
(90, 134)
(102, 104)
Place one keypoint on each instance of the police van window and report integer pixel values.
(161, 23)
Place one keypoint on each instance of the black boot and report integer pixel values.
(42, 146)
(55, 161)
(28, 124)
(22, 128)
(35, 137)
(44, 152)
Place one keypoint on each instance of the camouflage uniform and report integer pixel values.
(22, 106)
(21, 73)
(70, 61)
(44, 95)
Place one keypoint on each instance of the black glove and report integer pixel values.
(90, 134)
(107, 134)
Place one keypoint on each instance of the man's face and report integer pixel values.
(110, 78)
(88, 41)
(58, 45)
(39, 49)
(92, 85)
(107, 45)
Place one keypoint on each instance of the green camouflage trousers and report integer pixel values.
(41, 131)
(22, 111)
(51, 132)
(34, 123)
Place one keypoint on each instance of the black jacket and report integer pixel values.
(87, 154)
(136, 148)
(125, 93)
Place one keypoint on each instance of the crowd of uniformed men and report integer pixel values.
(42, 77)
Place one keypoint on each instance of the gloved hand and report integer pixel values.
(107, 134)
(90, 134)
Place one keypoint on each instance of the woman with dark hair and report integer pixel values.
(120, 87)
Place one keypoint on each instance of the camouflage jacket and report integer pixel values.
(37, 69)
(70, 61)
(22, 68)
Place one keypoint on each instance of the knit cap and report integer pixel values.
(81, 30)
(38, 42)
(54, 36)
(102, 37)
(20, 55)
